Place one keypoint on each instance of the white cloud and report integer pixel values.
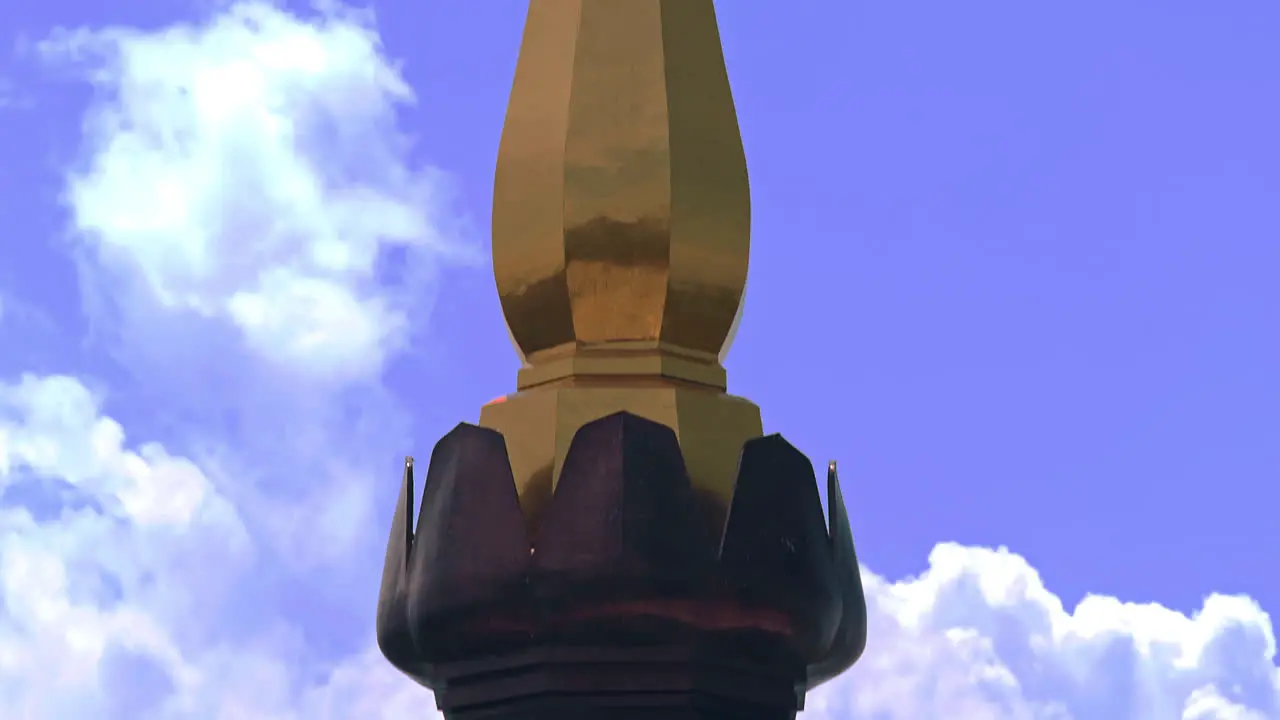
(252, 240)
(255, 240)
(61, 435)
(250, 170)
(979, 637)
(1207, 703)
(124, 516)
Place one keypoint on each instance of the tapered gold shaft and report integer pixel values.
(621, 234)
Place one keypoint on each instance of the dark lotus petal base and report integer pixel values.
(630, 600)
(608, 683)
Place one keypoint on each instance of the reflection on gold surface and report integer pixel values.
(621, 232)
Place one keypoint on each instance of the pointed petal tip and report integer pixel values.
(851, 636)
(391, 617)
(837, 515)
(404, 510)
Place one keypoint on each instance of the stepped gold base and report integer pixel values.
(539, 423)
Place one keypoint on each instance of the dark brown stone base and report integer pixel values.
(627, 599)
(618, 684)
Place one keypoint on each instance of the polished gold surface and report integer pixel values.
(621, 233)
(621, 207)
(539, 424)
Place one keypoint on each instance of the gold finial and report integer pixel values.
(621, 233)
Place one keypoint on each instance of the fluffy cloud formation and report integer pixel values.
(87, 524)
(979, 637)
(250, 169)
(252, 238)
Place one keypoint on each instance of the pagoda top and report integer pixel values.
(621, 211)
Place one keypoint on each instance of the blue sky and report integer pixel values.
(1012, 266)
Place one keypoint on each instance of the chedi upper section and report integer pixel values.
(621, 218)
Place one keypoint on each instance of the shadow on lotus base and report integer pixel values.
(631, 599)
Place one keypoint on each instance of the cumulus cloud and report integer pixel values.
(86, 524)
(254, 241)
(978, 636)
(250, 169)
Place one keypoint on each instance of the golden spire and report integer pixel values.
(621, 233)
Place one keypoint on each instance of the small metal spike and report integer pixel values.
(391, 626)
(851, 636)
(833, 481)
(408, 509)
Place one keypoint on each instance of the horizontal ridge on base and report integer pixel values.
(635, 683)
